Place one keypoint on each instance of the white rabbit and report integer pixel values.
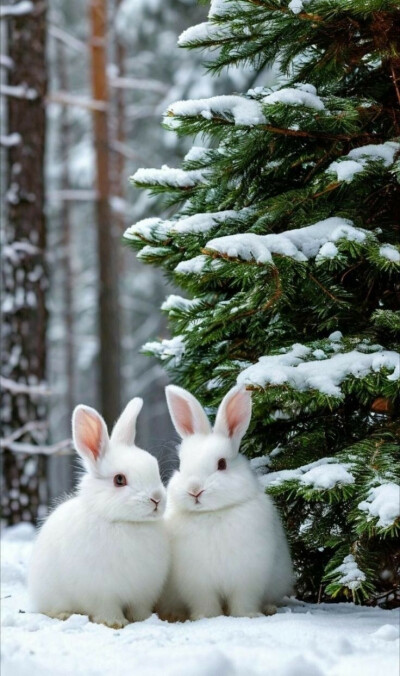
(104, 552)
(229, 550)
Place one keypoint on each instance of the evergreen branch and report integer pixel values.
(325, 290)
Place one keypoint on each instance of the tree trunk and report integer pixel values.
(107, 254)
(59, 472)
(24, 275)
(65, 145)
(119, 97)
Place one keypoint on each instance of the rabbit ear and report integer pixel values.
(124, 430)
(89, 432)
(186, 412)
(234, 413)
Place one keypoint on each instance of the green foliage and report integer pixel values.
(307, 318)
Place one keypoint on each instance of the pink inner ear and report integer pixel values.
(90, 432)
(235, 410)
(183, 415)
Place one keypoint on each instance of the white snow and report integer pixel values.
(380, 151)
(18, 9)
(150, 251)
(202, 32)
(358, 158)
(352, 576)
(295, 96)
(301, 244)
(145, 229)
(154, 229)
(390, 252)
(335, 337)
(383, 502)
(196, 265)
(220, 8)
(10, 140)
(327, 476)
(21, 91)
(196, 153)
(328, 250)
(201, 223)
(168, 176)
(244, 111)
(346, 169)
(305, 375)
(174, 302)
(322, 474)
(175, 347)
(296, 6)
(300, 640)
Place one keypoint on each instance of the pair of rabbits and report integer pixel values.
(110, 553)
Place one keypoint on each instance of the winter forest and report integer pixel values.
(203, 195)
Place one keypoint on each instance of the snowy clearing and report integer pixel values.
(301, 640)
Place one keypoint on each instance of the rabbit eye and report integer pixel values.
(120, 480)
(221, 463)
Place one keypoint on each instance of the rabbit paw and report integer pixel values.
(136, 614)
(59, 616)
(269, 609)
(117, 622)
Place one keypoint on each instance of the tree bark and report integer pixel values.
(109, 329)
(24, 277)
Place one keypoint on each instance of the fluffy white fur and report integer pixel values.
(229, 551)
(104, 552)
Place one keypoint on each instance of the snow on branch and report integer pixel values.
(136, 83)
(382, 502)
(301, 244)
(390, 252)
(174, 302)
(32, 426)
(67, 99)
(19, 9)
(24, 388)
(244, 111)
(358, 159)
(323, 474)
(67, 39)
(351, 576)
(197, 265)
(18, 249)
(21, 91)
(175, 348)
(10, 140)
(302, 95)
(154, 229)
(64, 447)
(6, 62)
(168, 177)
(203, 32)
(327, 377)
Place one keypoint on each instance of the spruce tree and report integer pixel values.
(285, 236)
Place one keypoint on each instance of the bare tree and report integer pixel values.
(24, 278)
(109, 329)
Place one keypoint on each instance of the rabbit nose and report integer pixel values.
(196, 495)
(194, 487)
(156, 496)
(156, 502)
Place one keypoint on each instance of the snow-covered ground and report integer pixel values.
(301, 640)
